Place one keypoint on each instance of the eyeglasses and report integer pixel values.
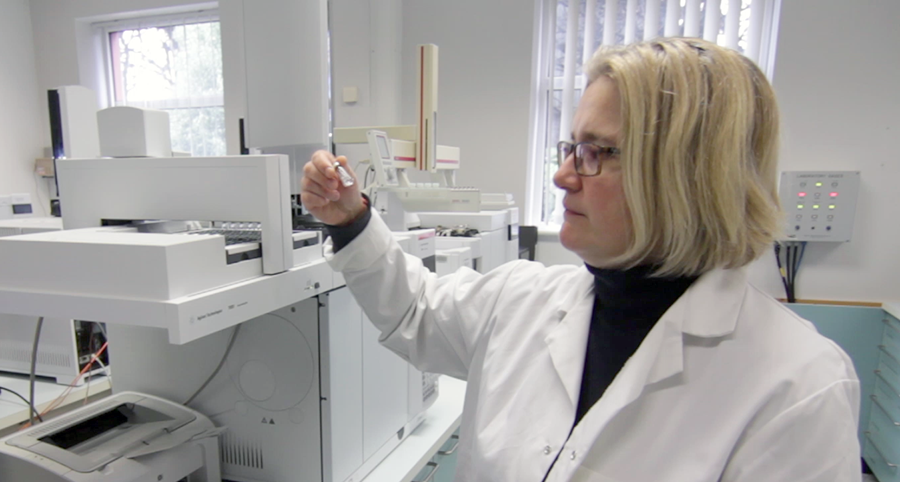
(589, 157)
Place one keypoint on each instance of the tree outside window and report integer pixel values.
(178, 69)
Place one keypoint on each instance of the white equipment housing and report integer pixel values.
(60, 355)
(255, 190)
(73, 122)
(15, 227)
(498, 232)
(129, 437)
(134, 132)
(16, 206)
(307, 392)
(179, 281)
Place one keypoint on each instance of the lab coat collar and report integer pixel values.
(709, 308)
(567, 342)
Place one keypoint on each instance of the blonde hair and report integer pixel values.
(699, 154)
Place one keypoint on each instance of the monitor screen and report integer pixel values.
(383, 147)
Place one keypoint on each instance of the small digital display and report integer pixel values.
(383, 147)
(22, 209)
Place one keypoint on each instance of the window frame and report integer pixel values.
(107, 28)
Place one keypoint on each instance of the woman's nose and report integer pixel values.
(566, 177)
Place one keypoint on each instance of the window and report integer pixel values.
(567, 41)
(172, 64)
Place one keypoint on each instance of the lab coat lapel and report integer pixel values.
(660, 356)
(709, 308)
(567, 342)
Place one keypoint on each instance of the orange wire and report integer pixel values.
(58, 400)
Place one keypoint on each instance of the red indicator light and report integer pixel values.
(801, 194)
(834, 194)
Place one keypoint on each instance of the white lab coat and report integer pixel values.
(728, 386)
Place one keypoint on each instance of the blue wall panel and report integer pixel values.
(858, 330)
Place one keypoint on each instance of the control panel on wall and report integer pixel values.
(820, 205)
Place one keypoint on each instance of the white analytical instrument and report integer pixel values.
(16, 206)
(129, 437)
(395, 149)
(114, 263)
(306, 391)
(127, 131)
(65, 346)
(497, 241)
(28, 225)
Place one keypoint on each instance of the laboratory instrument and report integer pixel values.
(134, 132)
(114, 263)
(29, 225)
(305, 388)
(16, 206)
(66, 347)
(73, 122)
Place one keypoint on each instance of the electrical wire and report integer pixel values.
(59, 399)
(90, 377)
(30, 405)
(781, 270)
(366, 176)
(790, 266)
(364, 161)
(32, 374)
(218, 367)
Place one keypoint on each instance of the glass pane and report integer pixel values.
(177, 69)
(200, 131)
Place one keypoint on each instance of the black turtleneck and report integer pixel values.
(627, 303)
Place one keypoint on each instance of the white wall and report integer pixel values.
(484, 86)
(836, 77)
(20, 128)
(366, 42)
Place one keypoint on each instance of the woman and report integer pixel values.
(656, 361)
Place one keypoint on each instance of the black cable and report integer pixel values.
(219, 367)
(30, 405)
(787, 269)
(781, 271)
(792, 262)
(800, 258)
(32, 374)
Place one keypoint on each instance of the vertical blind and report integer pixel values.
(573, 29)
(736, 24)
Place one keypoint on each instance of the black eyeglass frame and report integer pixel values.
(575, 149)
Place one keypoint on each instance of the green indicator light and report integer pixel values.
(818, 184)
(815, 206)
(799, 206)
(831, 206)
